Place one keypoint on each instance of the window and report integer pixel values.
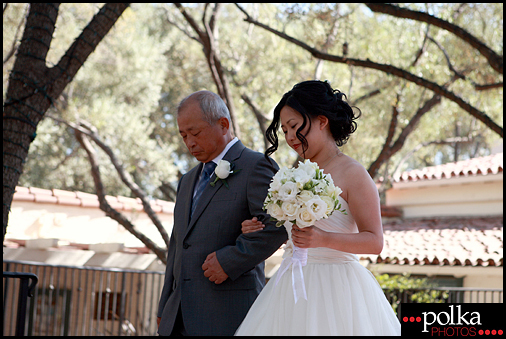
(109, 301)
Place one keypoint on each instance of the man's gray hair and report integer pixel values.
(212, 106)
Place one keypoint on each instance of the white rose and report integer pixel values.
(305, 196)
(290, 209)
(268, 199)
(308, 167)
(276, 180)
(275, 211)
(320, 186)
(329, 190)
(328, 177)
(304, 218)
(285, 172)
(275, 184)
(222, 170)
(301, 177)
(330, 204)
(317, 207)
(288, 191)
(337, 191)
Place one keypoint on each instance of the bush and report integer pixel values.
(403, 288)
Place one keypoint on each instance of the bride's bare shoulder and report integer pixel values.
(350, 165)
(350, 173)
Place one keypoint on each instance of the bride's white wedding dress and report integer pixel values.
(343, 297)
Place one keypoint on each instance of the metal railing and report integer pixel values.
(24, 292)
(82, 301)
(447, 295)
(79, 301)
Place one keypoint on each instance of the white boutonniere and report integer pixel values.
(222, 172)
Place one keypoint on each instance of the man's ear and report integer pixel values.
(224, 124)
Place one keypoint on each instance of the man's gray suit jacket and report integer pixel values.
(208, 308)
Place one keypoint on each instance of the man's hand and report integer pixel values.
(158, 319)
(212, 269)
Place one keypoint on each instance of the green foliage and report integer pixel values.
(417, 290)
(131, 85)
(117, 91)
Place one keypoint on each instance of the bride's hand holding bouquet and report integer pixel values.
(298, 197)
(308, 237)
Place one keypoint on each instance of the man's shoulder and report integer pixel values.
(257, 156)
(258, 161)
(189, 173)
(252, 153)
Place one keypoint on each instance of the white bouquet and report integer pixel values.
(301, 196)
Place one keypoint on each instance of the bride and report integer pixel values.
(343, 297)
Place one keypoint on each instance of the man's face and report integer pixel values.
(204, 141)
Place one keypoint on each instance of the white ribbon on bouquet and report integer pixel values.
(297, 261)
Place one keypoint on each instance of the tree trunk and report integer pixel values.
(33, 87)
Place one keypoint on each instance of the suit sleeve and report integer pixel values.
(169, 277)
(169, 267)
(252, 248)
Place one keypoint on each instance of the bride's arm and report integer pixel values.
(253, 225)
(364, 205)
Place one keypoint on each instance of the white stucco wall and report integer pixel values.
(468, 196)
(29, 220)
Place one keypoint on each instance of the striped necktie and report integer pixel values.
(201, 185)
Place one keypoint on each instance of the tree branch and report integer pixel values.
(214, 15)
(389, 69)
(90, 131)
(262, 120)
(366, 96)
(13, 48)
(331, 37)
(191, 21)
(127, 180)
(388, 152)
(494, 59)
(393, 121)
(183, 30)
(213, 60)
(422, 48)
(85, 44)
(104, 205)
(169, 191)
(488, 86)
(447, 57)
(461, 140)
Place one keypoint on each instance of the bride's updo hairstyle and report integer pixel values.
(311, 99)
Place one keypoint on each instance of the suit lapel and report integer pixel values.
(233, 153)
(188, 194)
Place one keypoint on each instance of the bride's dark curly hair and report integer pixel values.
(311, 99)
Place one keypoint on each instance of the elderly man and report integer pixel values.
(214, 272)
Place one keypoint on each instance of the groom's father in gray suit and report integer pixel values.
(214, 272)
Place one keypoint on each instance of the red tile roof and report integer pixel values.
(56, 196)
(491, 164)
(82, 199)
(464, 241)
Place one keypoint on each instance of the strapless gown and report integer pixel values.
(343, 297)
